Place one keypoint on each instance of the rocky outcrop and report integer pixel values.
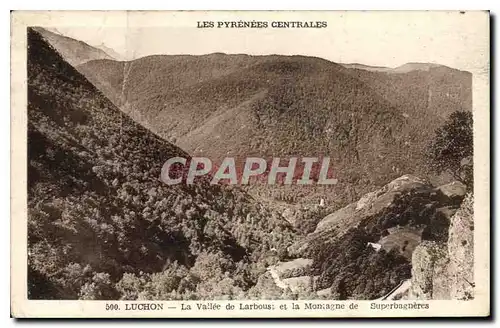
(410, 238)
(461, 251)
(453, 192)
(444, 200)
(337, 223)
(427, 258)
(446, 270)
(373, 202)
(368, 248)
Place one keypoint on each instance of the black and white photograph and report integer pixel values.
(254, 162)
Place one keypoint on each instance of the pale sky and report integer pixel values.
(372, 38)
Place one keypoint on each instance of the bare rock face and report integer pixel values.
(373, 202)
(446, 270)
(441, 281)
(461, 251)
(426, 259)
(289, 215)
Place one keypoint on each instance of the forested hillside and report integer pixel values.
(100, 223)
(374, 125)
(420, 90)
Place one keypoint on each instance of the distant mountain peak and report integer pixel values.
(110, 51)
(75, 52)
(367, 67)
(415, 66)
(405, 68)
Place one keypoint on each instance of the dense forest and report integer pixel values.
(101, 225)
(374, 125)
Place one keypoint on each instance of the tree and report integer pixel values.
(101, 288)
(452, 149)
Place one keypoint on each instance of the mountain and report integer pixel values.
(405, 68)
(409, 67)
(101, 225)
(368, 67)
(366, 249)
(373, 125)
(426, 93)
(75, 52)
(115, 55)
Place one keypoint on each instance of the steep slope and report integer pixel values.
(110, 51)
(374, 125)
(425, 93)
(364, 250)
(73, 51)
(405, 68)
(446, 270)
(100, 223)
(238, 105)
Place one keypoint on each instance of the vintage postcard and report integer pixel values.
(250, 164)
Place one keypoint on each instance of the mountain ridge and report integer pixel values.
(240, 105)
(75, 52)
(219, 105)
(404, 68)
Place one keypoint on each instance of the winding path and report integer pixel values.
(403, 286)
(276, 278)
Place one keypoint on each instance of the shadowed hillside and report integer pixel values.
(368, 67)
(100, 223)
